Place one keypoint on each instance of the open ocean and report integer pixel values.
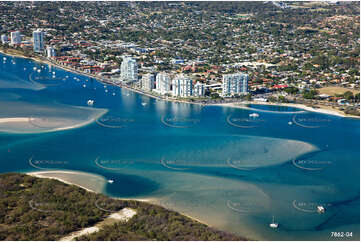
(218, 164)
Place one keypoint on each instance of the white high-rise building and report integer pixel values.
(182, 86)
(162, 83)
(15, 38)
(50, 52)
(147, 82)
(129, 69)
(235, 84)
(38, 40)
(4, 38)
(198, 90)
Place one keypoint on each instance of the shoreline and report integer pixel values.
(292, 105)
(48, 174)
(42, 174)
(234, 104)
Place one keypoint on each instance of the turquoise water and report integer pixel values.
(218, 164)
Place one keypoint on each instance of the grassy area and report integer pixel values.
(45, 209)
(336, 90)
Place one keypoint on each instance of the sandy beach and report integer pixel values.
(88, 181)
(14, 120)
(323, 109)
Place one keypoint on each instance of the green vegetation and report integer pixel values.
(310, 94)
(45, 209)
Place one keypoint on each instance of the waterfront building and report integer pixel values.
(15, 38)
(147, 82)
(50, 52)
(4, 38)
(182, 86)
(162, 83)
(38, 40)
(129, 69)
(234, 84)
(198, 90)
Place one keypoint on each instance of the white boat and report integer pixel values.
(273, 225)
(320, 209)
(144, 104)
(53, 72)
(110, 181)
(254, 115)
(4, 58)
(90, 102)
(34, 68)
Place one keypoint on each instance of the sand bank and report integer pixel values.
(88, 181)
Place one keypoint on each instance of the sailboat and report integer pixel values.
(273, 225)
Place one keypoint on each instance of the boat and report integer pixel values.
(110, 181)
(254, 115)
(144, 104)
(90, 102)
(320, 209)
(273, 225)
